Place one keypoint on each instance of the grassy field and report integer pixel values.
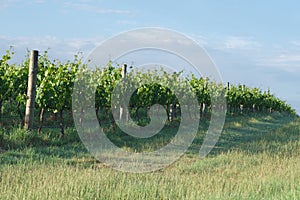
(257, 157)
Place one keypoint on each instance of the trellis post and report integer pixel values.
(31, 89)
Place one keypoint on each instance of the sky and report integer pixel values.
(256, 43)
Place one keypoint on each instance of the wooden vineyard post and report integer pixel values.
(124, 71)
(228, 86)
(228, 106)
(242, 106)
(31, 89)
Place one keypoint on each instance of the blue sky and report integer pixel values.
(251, 42)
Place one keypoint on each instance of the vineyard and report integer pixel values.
(256, 156)
(55, 81)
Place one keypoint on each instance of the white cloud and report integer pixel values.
(287, 62)
(235, 50)
(88, 7)
(40, 1)
(287, 58)
(127, 22)
(247, 51)
(295, 43)
(62, 49)
(240, 43)
(229, 44)
(7, 3)
(202, 40)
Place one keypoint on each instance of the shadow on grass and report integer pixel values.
(253, 133)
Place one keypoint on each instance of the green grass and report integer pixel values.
(257, 157)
